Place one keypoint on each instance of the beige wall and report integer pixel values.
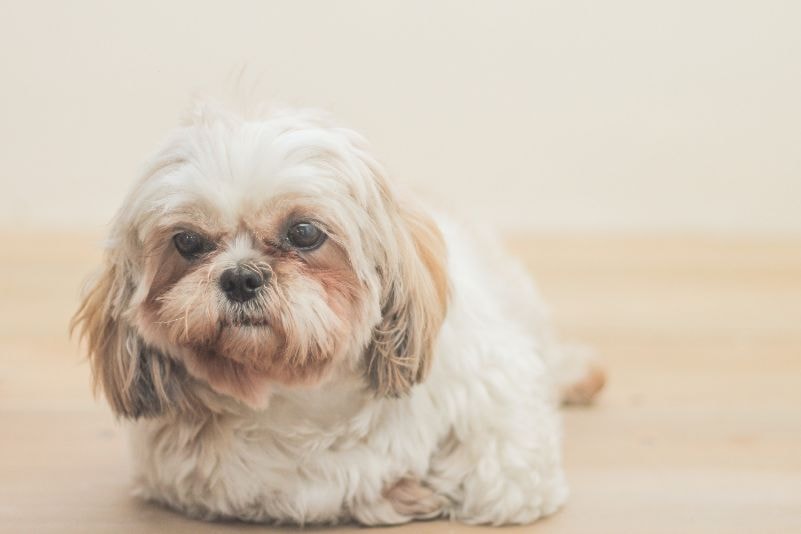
(558, 115)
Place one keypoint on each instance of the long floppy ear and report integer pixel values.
(415, 300)
(136, 379)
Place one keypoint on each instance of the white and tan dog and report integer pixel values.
(295, 341)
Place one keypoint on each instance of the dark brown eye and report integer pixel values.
(305, 236)
(191, 245)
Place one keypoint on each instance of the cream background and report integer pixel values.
(586, 116)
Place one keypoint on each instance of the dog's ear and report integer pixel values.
(414, 303)
(137, 380)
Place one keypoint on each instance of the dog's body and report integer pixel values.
(224, 434)
(480, 431)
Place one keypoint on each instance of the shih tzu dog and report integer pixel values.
(295, 340)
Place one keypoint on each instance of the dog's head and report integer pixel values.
(256, 252)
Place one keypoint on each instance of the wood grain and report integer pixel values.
(699, 430)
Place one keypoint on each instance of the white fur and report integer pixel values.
(482, 431)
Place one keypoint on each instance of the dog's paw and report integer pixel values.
(403, 501)
(409, 497)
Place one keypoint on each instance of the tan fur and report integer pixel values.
(411, 499)
(401, 352)
(164, 265)
(136, 379)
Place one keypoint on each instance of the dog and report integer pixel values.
(293, 338)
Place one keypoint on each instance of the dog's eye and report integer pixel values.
(191, 245)
(305, 236)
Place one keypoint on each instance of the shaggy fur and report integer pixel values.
(400, 370)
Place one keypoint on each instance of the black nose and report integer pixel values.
(240, 283)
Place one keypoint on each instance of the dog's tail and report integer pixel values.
(578, 375)
(576, 371)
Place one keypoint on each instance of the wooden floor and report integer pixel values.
(698, 432)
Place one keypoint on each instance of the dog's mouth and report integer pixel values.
(244, 322)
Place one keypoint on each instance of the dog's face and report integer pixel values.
(262, 252)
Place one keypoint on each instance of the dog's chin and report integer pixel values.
(248, 355)
(252, 342)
